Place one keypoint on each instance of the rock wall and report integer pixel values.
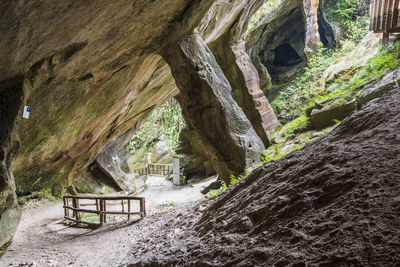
(205, 97)
(278, 48)
(86, 69)
(91, 71)
(11, 101)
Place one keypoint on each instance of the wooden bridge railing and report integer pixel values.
(155, 170)
(159, 169)
(100, 203)
(385, 18)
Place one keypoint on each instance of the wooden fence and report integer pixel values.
(385, 18)
(100, 204)
(155, 169)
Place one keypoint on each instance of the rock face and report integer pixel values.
(334, 202)
(325, 112)
(91, 71)
(208, 107)
(11, 100)
(379, 87)
(244, 79)
(95, 79)
(192, 155)
(278, 49)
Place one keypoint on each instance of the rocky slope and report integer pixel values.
(333, 203)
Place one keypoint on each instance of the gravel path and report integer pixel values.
(42, 238)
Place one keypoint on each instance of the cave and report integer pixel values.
(325, 30)
(282, 45)
(93, 71)
(286, 56)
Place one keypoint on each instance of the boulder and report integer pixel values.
(379, 87)
(336, 108)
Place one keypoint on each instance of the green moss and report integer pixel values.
(308, 85)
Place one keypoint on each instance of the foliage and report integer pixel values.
(308, 85)
(166, 120)
(346, 14)
(278, 153)
(38, 195)
(263, 12)
(305, 86)
(233, 180)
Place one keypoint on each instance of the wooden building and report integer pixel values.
(385, 18)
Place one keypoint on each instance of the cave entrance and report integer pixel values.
(325, 31)
(286, 56)
(281, 46)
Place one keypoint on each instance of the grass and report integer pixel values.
(308, 86)
(91, 218)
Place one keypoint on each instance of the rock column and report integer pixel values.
(245, 82)
(205, 97)
(312, 38)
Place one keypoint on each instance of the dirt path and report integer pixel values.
(42, 239)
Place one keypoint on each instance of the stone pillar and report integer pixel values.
(205, 97)
(245, 82)
(176, 174)
(312, 39)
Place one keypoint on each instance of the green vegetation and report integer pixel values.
(166, 120)
(233, 180)
(309, 85)
(265, 10)
(346, 14)
(90, 218)
(38, 195)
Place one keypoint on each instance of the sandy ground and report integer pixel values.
(42, 238)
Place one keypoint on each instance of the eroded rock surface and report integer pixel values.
(11, 100)
(334, 202)
(208, 107)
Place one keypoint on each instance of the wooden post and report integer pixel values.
(74, 206)
(143, 207)
(65, 204)
(97, 204)
(105, 209)
(129, 208)
(385, 39)
(78, 214)
(67, 199)
(122, 204)
(101, 209)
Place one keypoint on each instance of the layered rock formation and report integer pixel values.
(207, 104)
(11, 100)
(278, 48)
(92, 71)
(333, 203)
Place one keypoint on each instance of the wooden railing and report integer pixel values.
(385, 18)
(140, 171)
(155, 170)
(100, 204)
(159, 169)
